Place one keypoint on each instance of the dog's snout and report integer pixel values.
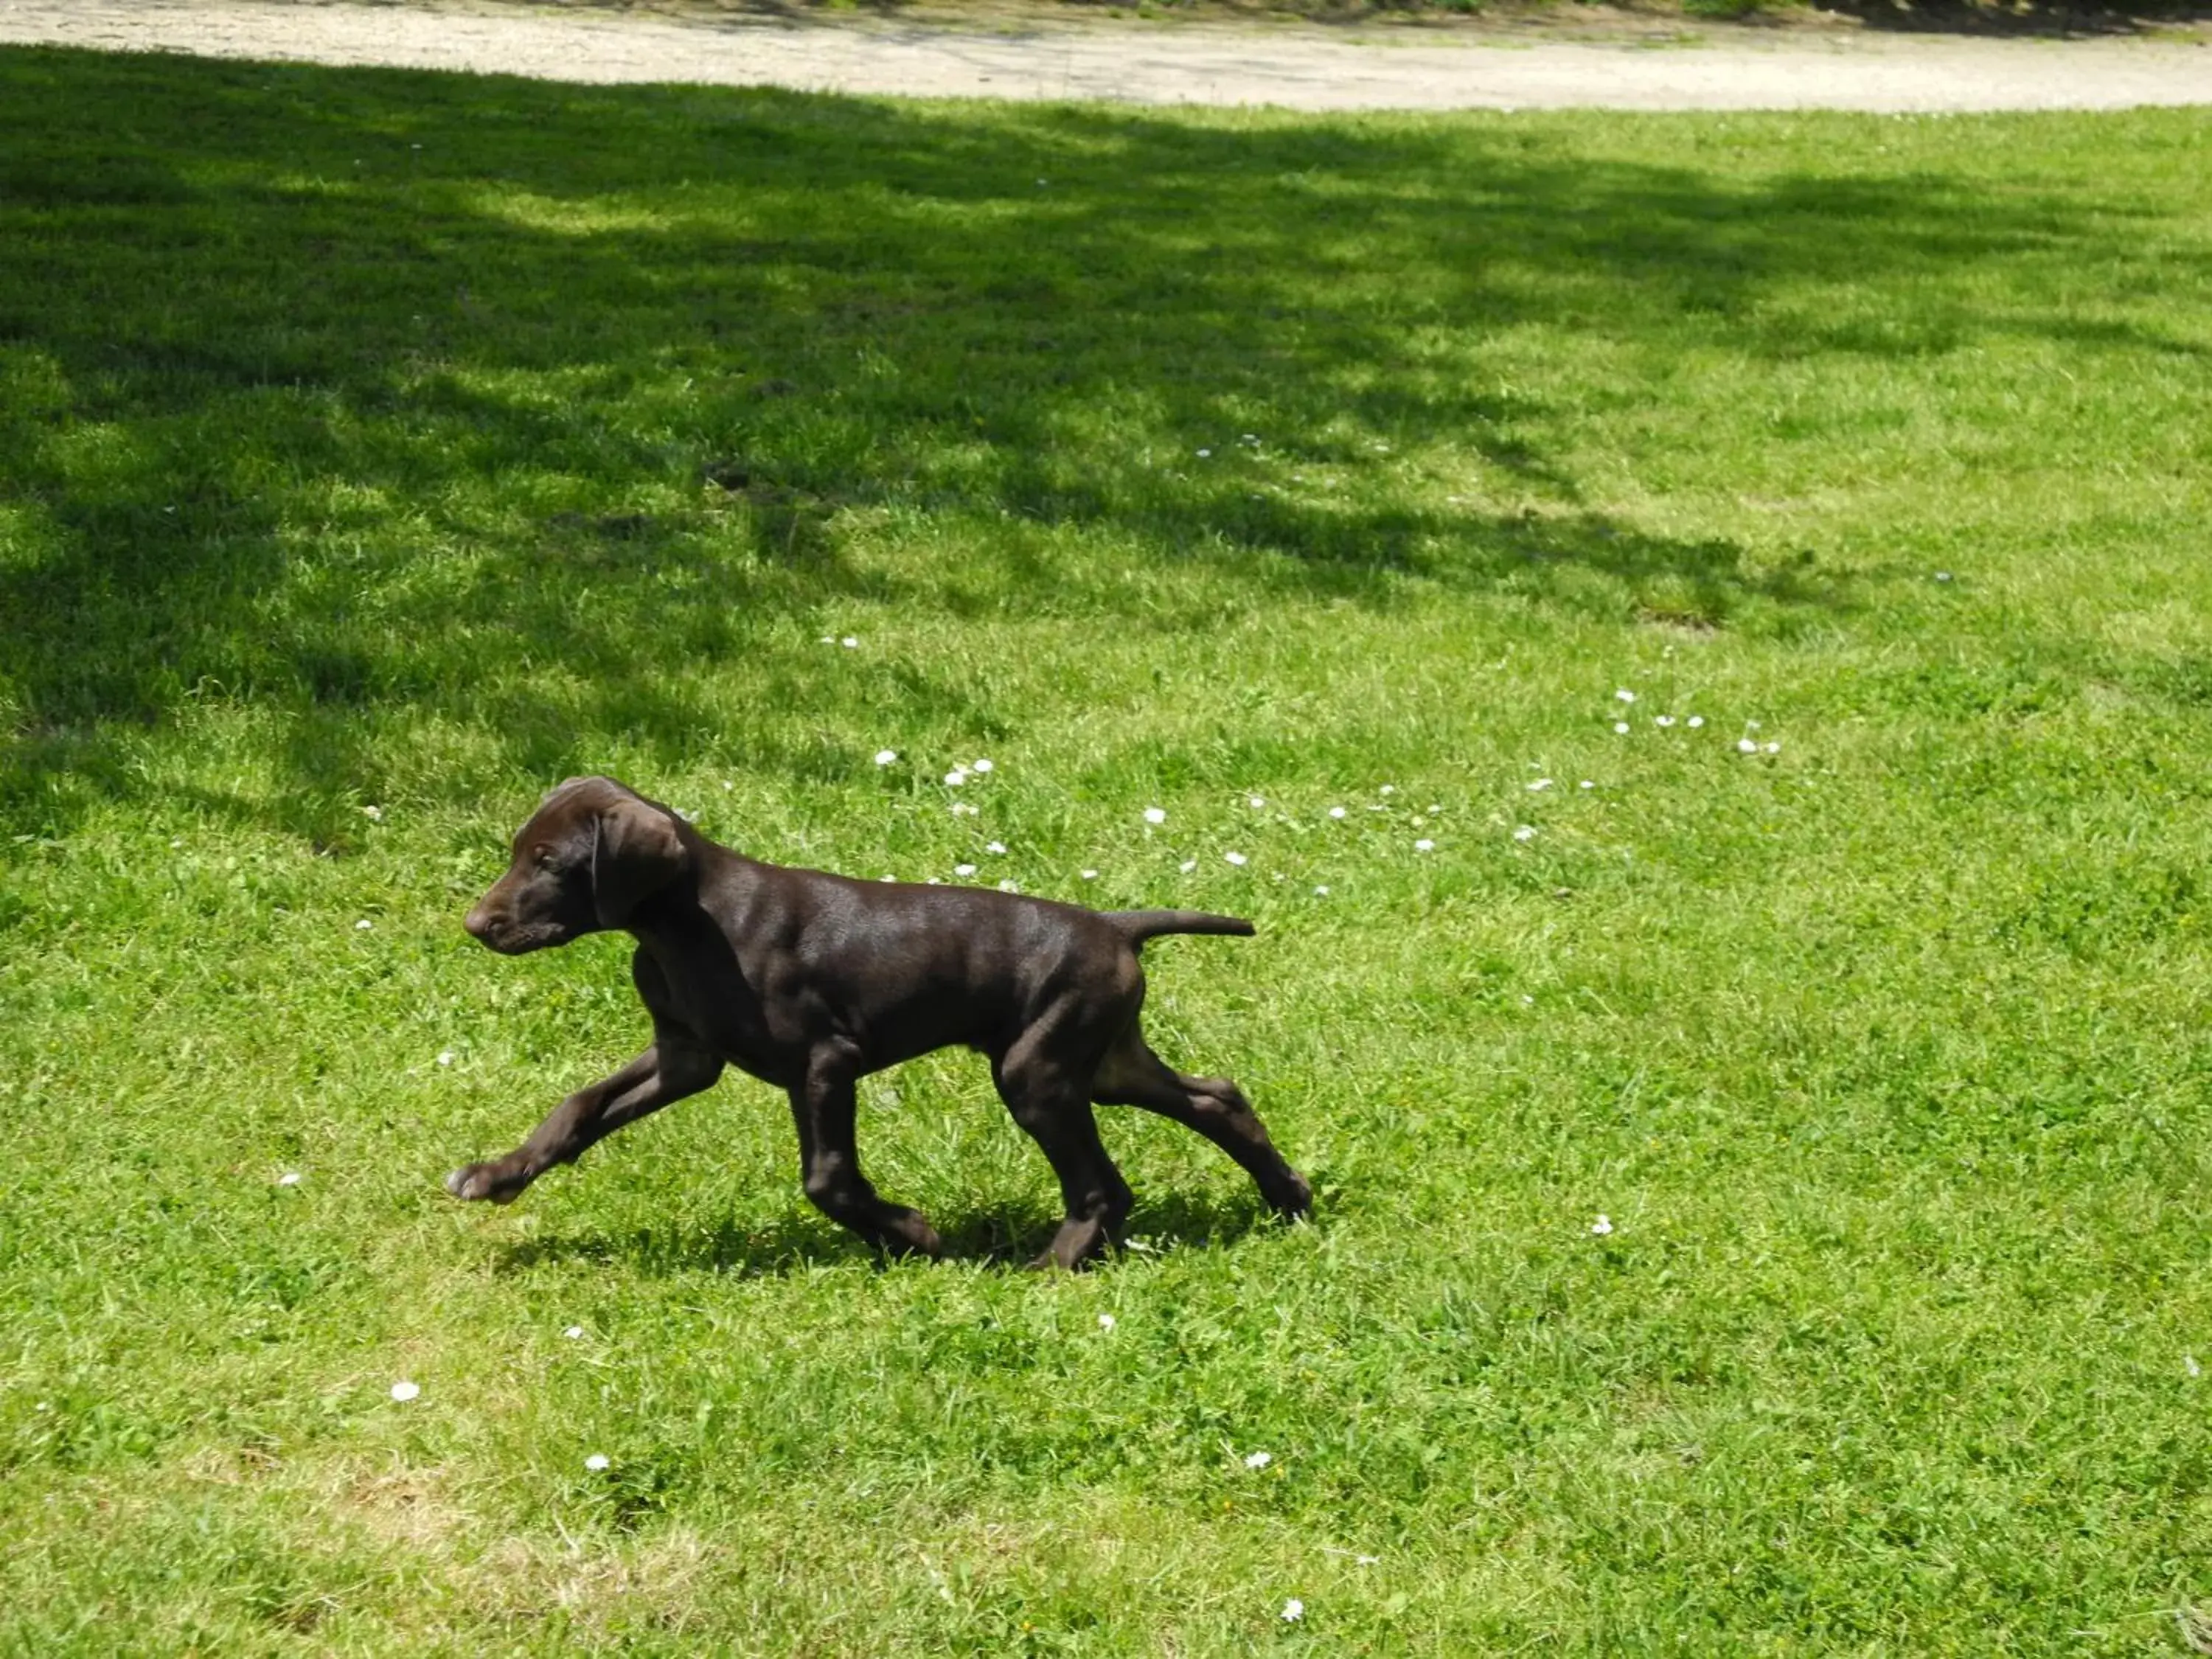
(478, 922)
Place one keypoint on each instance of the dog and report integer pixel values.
(810, 981)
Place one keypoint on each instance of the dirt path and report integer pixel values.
(1300, 68)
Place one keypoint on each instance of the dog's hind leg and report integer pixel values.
(1050, 1100)
(1131, 1074)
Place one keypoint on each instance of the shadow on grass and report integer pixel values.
(347, 392)
(1008, 1236)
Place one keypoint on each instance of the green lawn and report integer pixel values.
(377, 449)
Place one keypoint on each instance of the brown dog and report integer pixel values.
(810, 981)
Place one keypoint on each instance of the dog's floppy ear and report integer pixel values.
(636, 853)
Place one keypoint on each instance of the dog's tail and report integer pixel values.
(1138, 926)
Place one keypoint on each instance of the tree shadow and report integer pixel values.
(1006, 1235)
(1990, 18)
(349, 393)
(2033, 20)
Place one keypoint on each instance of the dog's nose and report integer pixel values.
(478, 921)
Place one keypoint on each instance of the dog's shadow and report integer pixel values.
(1005, 1237)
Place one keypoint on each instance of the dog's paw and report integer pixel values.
(909, 1235)
(1075, 1246)
(473, 1182)
(1293, 1199)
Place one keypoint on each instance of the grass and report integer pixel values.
(370, 439)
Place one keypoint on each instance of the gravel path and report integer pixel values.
(1299, 68)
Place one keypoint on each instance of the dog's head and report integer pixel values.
(587, 858)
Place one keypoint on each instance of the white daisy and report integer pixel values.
(405, 1391)
(964, 869)
(1258, 1460)
(596, 1462)
(1235, 857)
(885, 757)
(1156, 815)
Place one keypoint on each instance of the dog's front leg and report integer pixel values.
(823, 1108)
(667, 1072)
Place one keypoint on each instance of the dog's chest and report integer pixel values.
(709, 993)
(733, 1020)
